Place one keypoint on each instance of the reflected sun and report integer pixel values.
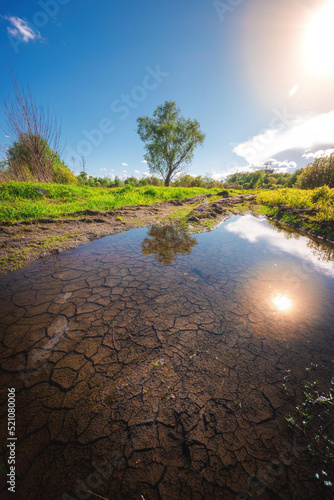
(282, 302)
(318, 43)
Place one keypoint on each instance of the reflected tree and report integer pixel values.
(322, 250)
(166, 242)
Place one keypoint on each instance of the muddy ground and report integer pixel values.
(24, 242)
(141, 381)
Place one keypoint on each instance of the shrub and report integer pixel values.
(150, 192)
(125, 189)
(31, 159)
(322, 193)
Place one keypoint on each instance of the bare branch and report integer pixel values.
(35, 133)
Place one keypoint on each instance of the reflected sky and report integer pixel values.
(256, 230)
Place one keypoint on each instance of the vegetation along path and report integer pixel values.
(25, 241)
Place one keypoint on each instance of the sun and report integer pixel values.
(282, 302)
(318, 43)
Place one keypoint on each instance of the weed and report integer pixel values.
(311, 421)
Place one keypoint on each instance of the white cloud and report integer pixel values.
(21, 30)
(217, 176)
(124, 172)
(257, 230)
(7, 136)
(277, 166)
(302, 132)
(103, 169)
(317, 154)
(124, 164)
(137, 172)
(144, 161)
(112, 170)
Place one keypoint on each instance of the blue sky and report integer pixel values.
(242, 68)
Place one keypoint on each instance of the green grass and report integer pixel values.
(321, 199)
(52, 241)
(19, 201)
(294, 198)
(310, 209)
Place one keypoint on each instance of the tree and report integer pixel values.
(318, 173)
(170, 140)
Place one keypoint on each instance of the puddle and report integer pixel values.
(153, 364)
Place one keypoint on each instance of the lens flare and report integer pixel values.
(318, 43)
(282, 302)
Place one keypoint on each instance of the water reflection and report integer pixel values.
(166, 242)
(119, 362)
(257, 230)
(321, 249)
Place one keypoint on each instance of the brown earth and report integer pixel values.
(136, 380)
(24, 242)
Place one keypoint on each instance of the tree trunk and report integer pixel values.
(167, 180)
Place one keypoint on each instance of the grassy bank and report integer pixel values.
(23, 200)
(311, 209)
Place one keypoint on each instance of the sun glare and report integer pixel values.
(293, 90)
(282, 302)
(318, 44)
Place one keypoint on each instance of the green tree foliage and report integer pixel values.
(261, 179)
(170, 140)
(317, 174)
(187, 180)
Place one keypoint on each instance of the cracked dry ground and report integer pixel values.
(136, 381)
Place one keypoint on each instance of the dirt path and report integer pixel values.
(24, 242)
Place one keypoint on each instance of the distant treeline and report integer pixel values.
(316, 174)
(183, 181)
(31, 159)
(262, 179)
